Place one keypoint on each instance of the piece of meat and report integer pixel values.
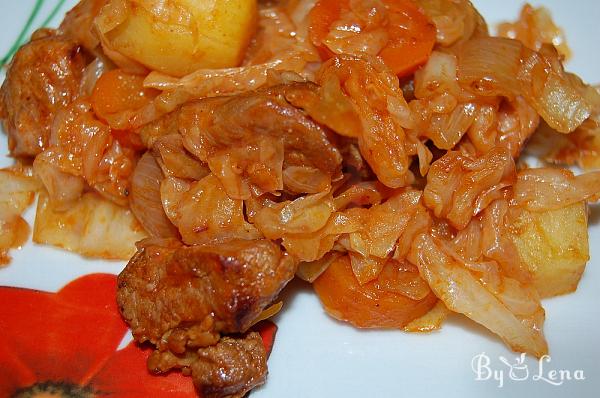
(218, 123)
(230, 368)
(362, 99)
(180, 296)
(248, 140)
(43, 77)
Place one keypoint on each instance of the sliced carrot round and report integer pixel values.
(366, 306)
(411, 34)
(117, 91)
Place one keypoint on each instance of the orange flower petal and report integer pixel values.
(126, 375)
(13, 372)
(126, 372)
(267, 330)
(65, 336)
(72, 336)
(98, 291)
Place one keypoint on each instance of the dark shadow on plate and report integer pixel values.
(293, 289)
(594, 214)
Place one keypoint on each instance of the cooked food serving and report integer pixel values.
(375, 149)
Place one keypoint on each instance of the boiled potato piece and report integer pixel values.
(554, 246)
(178, 37)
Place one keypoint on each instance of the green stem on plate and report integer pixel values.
(55, 11)
(17, 43)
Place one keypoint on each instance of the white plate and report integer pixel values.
(316, 356)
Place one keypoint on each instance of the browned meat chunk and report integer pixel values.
(229, 368)
(180, 298)
(43, 77)
(217, 123)
(184, 296)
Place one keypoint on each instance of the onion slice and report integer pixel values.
(309, 271)
(429, 322)
(145, 200)
(268, 312)
(495, 66)
(515, 315)
(550, 189)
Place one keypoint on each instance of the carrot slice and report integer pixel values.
(59, 336)
(322, 16)
(411, 34)
(366, 306)
(118, 91)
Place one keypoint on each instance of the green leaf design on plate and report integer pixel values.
(27, 28)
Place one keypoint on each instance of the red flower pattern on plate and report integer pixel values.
(65, 344)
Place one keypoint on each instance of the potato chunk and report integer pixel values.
(178, 37)
(554, 246)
